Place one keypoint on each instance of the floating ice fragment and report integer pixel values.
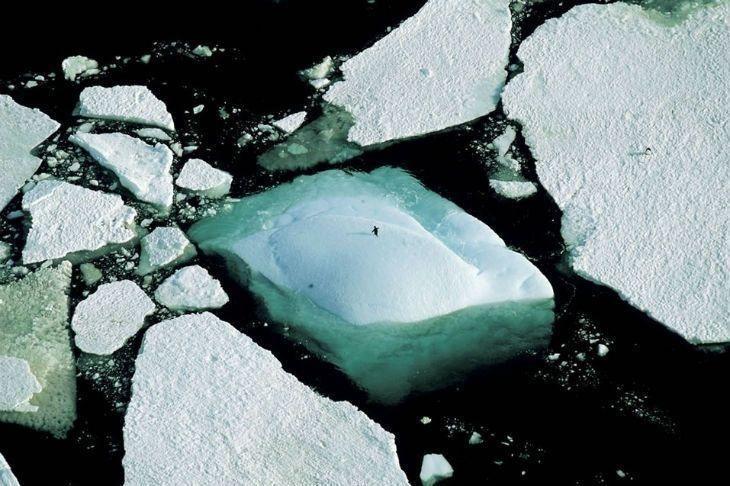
(155, 133)
(475, 438)
(78, 66)
(203, 51)
(7, 478)
(164, 247)
(503, 142)
(196, 376)
(290, 123)
(602, 350)
(18, 384)
(107, 318)
(435, 468)
(319, 71)
(200, 177)
(21, 130)
(591, 101)
(141, 168)
(198, 109)
(513, 189)
(135, 104)
(191, 289)
(90, 273)
(435, 294)
(68, 218)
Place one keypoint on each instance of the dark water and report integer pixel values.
(654, 408)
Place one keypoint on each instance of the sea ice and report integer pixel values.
(21, 130)
(627, 119)
(435, 468)
(18, 384)
(436, 293)
(164, 247)
(141, 168)
(290, 123)
(200, 177)
(155, 133)
(68, 219)
(513, 189)
(78, 66)
(34, 324)
(442, 67)
(191, 289)
(7, 478)
(107, 318)
(135, 104)
(319, 71)
(210, 407)
(504, 141)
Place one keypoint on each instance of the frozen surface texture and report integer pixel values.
(191, 289)
(210, 407)
(18, 384)
(164, 247)
(21, 130)
(434, 468)
(513, 189)
(34, 328)
(135, 104)
(154, 133)
(628, 123)
(290, 123)
(68, 219)
(7, 478)
(442, 67)
(143, 169)
(202, 178)
(107, 318)
(78, 66)
(437, 290)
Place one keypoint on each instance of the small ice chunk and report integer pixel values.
(141, 168)
(198, 377)
(68, 218)
(7, 478)
(18, 384)
(134, 104)
(602, 350)
(319, 71)
(320, 83)
(435, 468)
(290, 123)
(21, 130)
(90, 273)
(189, 289)
(475, 438)
(513, 189)
(107, 318)
(503, 142)
(200, 177)
(203, 51)
(78, 66)
(156, 133)
(5, 251)
(164, 247)
(198, 109)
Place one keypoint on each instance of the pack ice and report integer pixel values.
(7, 478)
(434, 294)
(21, 130)
(628, 124)
(135, 104)
(210, 407)
(442, 67)
(164, 247)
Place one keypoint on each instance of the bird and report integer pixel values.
(375, 230)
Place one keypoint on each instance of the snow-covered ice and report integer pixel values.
(203, 51)
(7, 478)
(504, 141)
(513, 189)
(210, 407)
(164, 247)
(67, 218)
(319, 71)
(442, 67)
(143, 169)
(290, 123)
(437, 290)
(18, 384)
(435, 468)
(107, 318)
(156, 133)
(21, 130)
(34, 324)
(651, 224)
(135, 104)
(191, 289)
(202, 178)
(78, 66)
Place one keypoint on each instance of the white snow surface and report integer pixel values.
(210, 407)
(290, 123)
(143, 169)
(21, 130)
(199, 176)
(18, 384)
(135, 104)
(504, 141)
(442, 67)
(164, 247)
(77, 66)
(190, 289)
(513, 189)
(591, 100)
(435, 468)
(156, 133)
(107, 318)
(67, 218)
(7, 478)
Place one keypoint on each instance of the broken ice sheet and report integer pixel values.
(7, 478)
(135, 104)
(164, 247)
(18, 384)
(200, 177)
(191, 289)
(433, 295)
(78, 66)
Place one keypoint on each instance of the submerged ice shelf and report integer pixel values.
(434, 295)
(627, 121)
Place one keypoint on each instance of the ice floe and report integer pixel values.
(210, 407)
(164, 247)
(435, 468)
(18, 384)
(191, 289)
(290, 123)
(7, 478)
(436, 293)
(154, 133)
(143, 169)
(135, 104)
(513, 189)
(67, 218)
(202, 178)
(442, 67)
(34, 323)
(627, 121)
(21, 130)
(107, 318)
(78, 66)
